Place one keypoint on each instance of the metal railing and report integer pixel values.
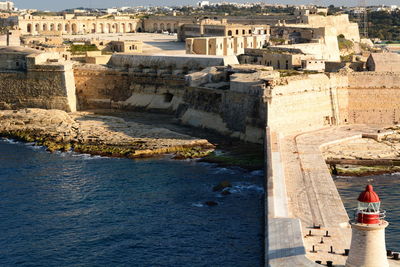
(381, 214)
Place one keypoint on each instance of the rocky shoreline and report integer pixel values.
(363, 171)
(380, 153)
(85, 132)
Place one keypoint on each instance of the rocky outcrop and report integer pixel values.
(94, 134)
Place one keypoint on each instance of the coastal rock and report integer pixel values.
(226, 192)
(211, 203)
(94, 134)
(221, 186)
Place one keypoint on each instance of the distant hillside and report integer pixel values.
(384, 25)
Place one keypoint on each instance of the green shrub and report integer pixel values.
(80, 49)
(344, 44)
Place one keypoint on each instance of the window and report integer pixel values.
(168, 97)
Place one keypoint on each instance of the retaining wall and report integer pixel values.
(47, 86)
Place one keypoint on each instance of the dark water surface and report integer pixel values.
(388, 188)
(76, 210)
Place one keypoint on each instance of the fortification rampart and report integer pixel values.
(305, 103)
(40, 86)
(232, 112)
(373, 98)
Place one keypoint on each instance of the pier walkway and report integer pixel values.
(303, 197)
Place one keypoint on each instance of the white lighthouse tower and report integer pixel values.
(368, 247)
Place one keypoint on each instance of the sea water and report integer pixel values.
(388, 188)
(68, 209)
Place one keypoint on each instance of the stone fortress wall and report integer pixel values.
(32, 79)
(142, 87)
(373, 98)
(340, 22)
(295, 104)
(300, 104)
(305, 103)
(203, 92)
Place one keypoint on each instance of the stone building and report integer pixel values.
(165, 23)
(72, 24)
(224, 46)
(340, 22)
(126, 46)
(7, 5)
(384, 62)
(278, 59)
(313, 65)
(10, 38)
(213, 28)
(15, 58)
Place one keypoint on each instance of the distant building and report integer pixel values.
(126, 46)
(213, 28)
(204, 3)
(11, 38)
(384, 62)
(224, 45)
(7, 6)
(111, 10)
(313, 65)
(73, 24)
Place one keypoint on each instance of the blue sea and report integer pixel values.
(388, 188)
(68, 209)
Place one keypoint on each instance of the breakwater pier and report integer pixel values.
(307, 221)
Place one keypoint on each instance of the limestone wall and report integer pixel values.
(302, 103)
(47, 87)
(340, 22)
(305, 103)
(101, 87)
(237, 114)
(373, 98)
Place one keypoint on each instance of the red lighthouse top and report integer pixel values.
(368, 211)
(369, 195)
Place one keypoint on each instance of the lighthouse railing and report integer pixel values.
(380, 215)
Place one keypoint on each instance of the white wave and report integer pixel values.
(10, 141)
(198, 205)
(30, 144)
(218, 152)
(36, 147)
(85, 156)
(243, 187)
(342, 177)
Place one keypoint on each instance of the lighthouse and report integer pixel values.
(368, 247)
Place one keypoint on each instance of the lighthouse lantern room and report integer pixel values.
(368, 211)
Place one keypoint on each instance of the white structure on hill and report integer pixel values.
(7, 6)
